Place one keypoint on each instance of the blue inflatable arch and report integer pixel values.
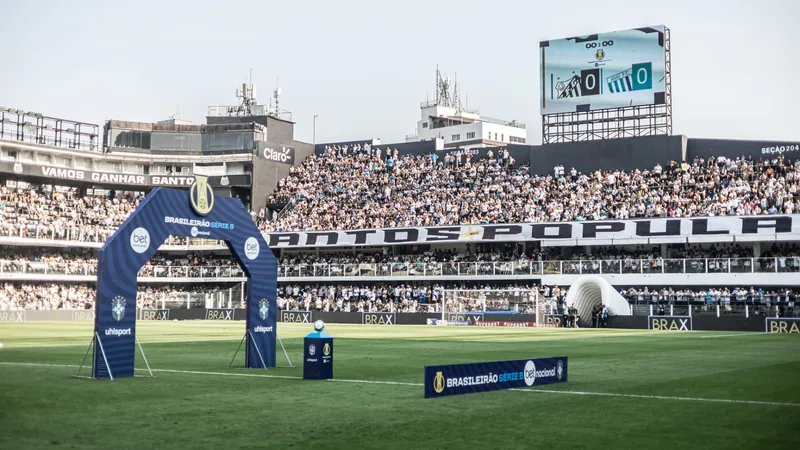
(193, 213)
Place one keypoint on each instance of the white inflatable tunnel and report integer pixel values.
(592, 290)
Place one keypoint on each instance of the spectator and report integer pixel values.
(343, 188)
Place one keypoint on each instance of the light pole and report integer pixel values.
(315, 129)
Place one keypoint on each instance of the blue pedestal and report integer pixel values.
(318, 356)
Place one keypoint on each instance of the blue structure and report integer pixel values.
(194, 213)
(318, 356)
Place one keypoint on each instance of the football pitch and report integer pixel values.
(626, 389)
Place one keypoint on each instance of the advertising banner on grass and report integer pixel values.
(458, 379)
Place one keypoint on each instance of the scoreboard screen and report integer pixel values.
(602, 71)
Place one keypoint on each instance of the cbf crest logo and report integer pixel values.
(118, 308)
(600, 54)
(438, 382)
(312, 350)
(263, 308)
(560, 369)
(201, 196)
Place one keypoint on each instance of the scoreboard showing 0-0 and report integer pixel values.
(602, 71)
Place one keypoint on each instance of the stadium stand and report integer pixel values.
(53, 233)
(358, 190)
(353, 189)
(716, 258)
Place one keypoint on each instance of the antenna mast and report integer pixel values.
(277, 94)
(456, 98)
(443, 97)
(247, 94)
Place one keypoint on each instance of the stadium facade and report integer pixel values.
(246, 151)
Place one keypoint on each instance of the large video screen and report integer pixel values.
(601, 71)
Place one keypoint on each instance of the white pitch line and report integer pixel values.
(401, 383)
(660, 397)
(230, 374)
(396, 383)
(732, 335)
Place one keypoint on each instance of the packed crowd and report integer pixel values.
(383, 297)
(356, 187)
(783, 302)
(34, 260)
(417, 297)
(214, 295)
(193, 265)
(48, 296)
(77, 261)
(409, 298)
(519, 252)
(709, 295)
(784, 257)
(62, 214)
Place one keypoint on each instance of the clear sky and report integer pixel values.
(363, 65)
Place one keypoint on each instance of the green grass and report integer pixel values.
(41, 406)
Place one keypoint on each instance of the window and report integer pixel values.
(130, 139)
(456, 137)
(502, 137)
(424, 124)
(471, 135)
(495, 136)
(228, 141)
(518, 140)
(133, 168)
(176, 141)
(60, 161)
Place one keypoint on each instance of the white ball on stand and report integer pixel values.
(319, 326)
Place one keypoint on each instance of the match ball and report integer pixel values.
(319, 326)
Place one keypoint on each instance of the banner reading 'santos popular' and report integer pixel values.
(632, 232)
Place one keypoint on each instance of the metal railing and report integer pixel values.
(95, 235)
(192, 272)
(453, 269)
(539, 268)
(745, 304)
(90, 269)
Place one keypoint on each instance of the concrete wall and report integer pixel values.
(695, 279)
(611, 154)
(756, 150)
